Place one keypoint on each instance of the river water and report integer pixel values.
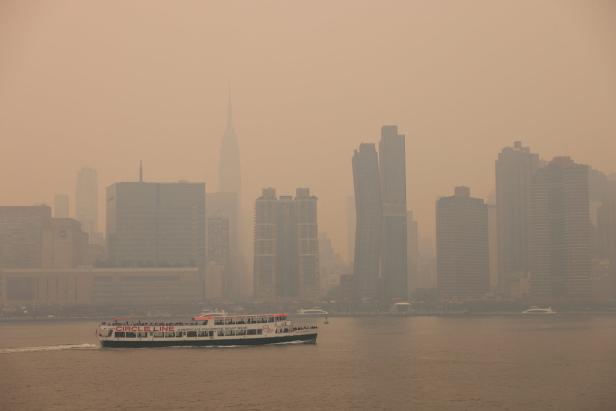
(460, 363)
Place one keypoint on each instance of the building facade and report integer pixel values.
(156, 224)
(514, 167)
(368, 212)
(286, 254)
(392, 169)
(462, 246)
(560, 261)
(60, 206)
(86, 202)
(412, 247)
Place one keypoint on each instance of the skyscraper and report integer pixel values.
(230, 184)
(560, 232)
(369, 213)
(264, 268)
(392, 168)
(229, 170)
(86, 202)
(156, 224)
(60, 205)
(462, 245)
(412, 246)
(286, 260)
(226, 206)
(607, 230)
(514, 169)
(351, 221)
(308, 243)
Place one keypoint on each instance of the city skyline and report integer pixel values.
(302, 111)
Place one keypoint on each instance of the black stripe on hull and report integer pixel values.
(306, 338)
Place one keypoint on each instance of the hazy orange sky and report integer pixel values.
(109, 83)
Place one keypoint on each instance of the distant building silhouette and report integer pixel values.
(560, 232)
(412, 246)
(156, 224)
(228, 201)
(351, 221)
(462, 246)
(286, 256)
(86, 202)
(21, 235)
(607, 230)
(226, 206)
(514, 169)
(369, 213)
(308, 243)
(60, 206)
(30, 238)
(264, 266)
(392, 168)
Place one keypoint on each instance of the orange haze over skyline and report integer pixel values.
(106, 84)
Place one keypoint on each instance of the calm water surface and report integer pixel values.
(462, 363)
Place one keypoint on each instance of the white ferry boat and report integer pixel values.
(209, 329)
(312, 312)
(534, 310)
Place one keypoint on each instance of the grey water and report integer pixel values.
(560, 362)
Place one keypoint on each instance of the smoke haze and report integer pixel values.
(106, 84)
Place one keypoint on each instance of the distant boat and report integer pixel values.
(312, 312)
(401, 308)
(534, 310)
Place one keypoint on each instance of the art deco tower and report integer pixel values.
(229, 176)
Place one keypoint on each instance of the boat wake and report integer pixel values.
(50, 348)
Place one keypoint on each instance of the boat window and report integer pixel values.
(158, 334)
(221, 332)
(205, 322)
(202, 334)
(142, 334)
(241, 332)
(178, 333)
(211, 333)
(130, 335)
(169, 335)
(218, 322)
(229, 332)
(259, 331)
(119, 334)
(252, 332)
(191, 333)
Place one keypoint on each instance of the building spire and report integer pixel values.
(140, 171)
(229, 112)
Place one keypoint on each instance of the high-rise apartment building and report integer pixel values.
(307, 243)
(462, 246)
(369, 214)
(264, 267)
(156, 224)
(514, 169)
(392, 169)
(560, 232)
(286, 259)
(86, 202)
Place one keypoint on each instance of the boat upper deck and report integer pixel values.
(225, 319)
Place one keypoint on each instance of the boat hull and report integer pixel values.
(303, 338)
